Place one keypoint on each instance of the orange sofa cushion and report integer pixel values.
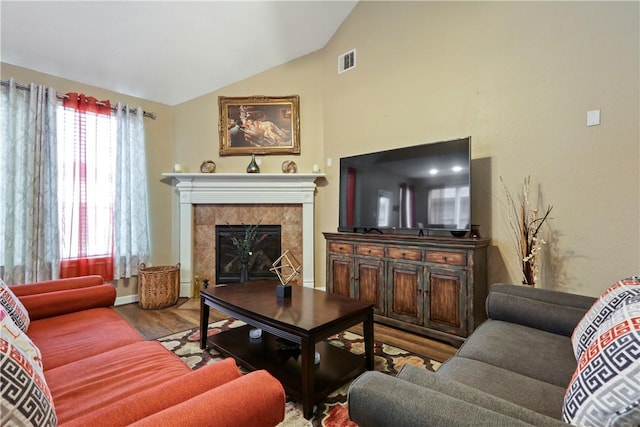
(89, 384)
(162, 396)
(263, 405)
(75, 336)
(57, 303)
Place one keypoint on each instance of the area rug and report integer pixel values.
(332, 412)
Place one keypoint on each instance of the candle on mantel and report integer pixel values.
(177, 168)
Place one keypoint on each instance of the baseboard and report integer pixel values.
(185, 290)
(127, 299)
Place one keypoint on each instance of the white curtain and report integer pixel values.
(29, 249)
(131, 240)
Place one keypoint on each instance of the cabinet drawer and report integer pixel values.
(370, 250)
(341, 247)
(455, 258)
(405, 253)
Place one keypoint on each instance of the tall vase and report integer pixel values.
(244, 272)
(253, 166)
(529, 277)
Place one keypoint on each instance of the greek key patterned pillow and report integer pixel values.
(600, 311)
(14, 307)
(605, 388)
(25, 399)
(20, 339)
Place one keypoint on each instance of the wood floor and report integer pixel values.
(152, 324)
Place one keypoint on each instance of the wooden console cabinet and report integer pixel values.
(434, 286)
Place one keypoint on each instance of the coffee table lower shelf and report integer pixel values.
(337, 366)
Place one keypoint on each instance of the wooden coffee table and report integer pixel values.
(306, 319)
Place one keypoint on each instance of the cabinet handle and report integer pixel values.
(444, 258)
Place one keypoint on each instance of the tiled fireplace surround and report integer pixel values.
(207, 217)
(207, 200)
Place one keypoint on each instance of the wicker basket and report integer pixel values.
(158, 287)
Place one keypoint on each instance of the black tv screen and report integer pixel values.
(424, 187)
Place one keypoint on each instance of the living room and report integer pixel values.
(519, 77)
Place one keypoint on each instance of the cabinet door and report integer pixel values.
(340, 274)
(446, 302)
(405, 299)
(369, 283)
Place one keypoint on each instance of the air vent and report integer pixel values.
(347, 61)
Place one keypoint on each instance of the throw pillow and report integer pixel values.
(25, 399)
(14, 307)
(20, 339)
(605, 388)
(600, 311)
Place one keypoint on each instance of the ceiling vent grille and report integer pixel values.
(347, 61)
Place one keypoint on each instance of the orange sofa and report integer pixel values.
(102, 373)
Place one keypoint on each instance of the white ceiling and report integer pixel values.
(164, 51)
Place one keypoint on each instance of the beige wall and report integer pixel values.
(160, 141)
(196, 124)
(519, 77)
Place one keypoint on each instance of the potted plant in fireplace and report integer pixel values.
(244, 244)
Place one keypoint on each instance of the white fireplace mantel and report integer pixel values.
(243, 188)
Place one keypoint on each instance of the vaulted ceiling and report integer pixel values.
(163, 51)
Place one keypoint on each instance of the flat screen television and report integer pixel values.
(422, 189)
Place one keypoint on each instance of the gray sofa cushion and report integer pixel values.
(377, 399)
(544, 309)
(530, 352)
(527, 392)
(439, 383)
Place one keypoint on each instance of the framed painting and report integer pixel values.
(259, 125)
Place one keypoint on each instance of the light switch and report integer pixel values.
(593, 118)
(329, 162)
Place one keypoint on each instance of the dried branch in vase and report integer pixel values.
(525, 223)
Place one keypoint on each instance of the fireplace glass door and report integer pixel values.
(263, 253)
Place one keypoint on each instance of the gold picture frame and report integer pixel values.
(259, 125)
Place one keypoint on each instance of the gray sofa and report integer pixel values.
(513, 370)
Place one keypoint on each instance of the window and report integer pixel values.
(86, 166)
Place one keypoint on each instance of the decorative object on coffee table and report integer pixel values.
(286, 267)
(253, 165)
(524, 223)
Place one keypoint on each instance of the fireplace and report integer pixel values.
(221, 190)
(264, 252)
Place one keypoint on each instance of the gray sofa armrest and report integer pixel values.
(377, 399)
(544, 309)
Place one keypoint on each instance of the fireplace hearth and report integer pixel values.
(266, 250)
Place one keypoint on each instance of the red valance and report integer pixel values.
(81, 102)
